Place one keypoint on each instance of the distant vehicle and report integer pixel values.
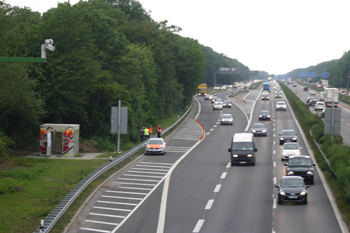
(266, 87)
(305, 89)
(234, 87)
(213, 99)
(313, 93)
(288, 136)
(217, 105)
(322, 94)
(226, 119)
(301, 165)
(227, 104)
(202, 89)
(207, 97)
(295, 85)
(281, 105)
(292, 189)
(259, 129)
(308, 99)
(320, 106)
(331, 95)
(155, 146)
(224, 87)
(342, 92)
(265, 95)
(312, 102)
(242, 150)
(278, 94)
(289, 149)
(264, 115)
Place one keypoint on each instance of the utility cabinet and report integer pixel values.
(59, 139)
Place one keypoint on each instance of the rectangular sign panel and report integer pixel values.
(312, 74)
(324, 75)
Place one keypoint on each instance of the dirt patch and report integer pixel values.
(5, 164)
(88, 147)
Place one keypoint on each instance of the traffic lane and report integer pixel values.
(345, 114)
(318, 210)
(195, 179)
(244, 203)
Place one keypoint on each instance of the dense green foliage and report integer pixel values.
(336, 152)
(105, 51)
(338, 69)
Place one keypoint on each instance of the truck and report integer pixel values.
(202, 89)
(322, 94)
(324, 82)
(266, 87)
(331, 95)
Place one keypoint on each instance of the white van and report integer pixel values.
(322, 95)
(242, 149)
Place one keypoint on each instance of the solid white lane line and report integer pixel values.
(209, 204)
(223, 176)
(106, 223)
(111, 191)
(95, 230)
(135, 188)
(117, 203)
(152, 166)
(147, 169)
(127, 198)
(170, 164)
(144, 176)
(107, 215)
(107, 208)
(198, 226)
(217, 188)
(128, 183)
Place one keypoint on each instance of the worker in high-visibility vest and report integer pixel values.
(146, 133)
(159, 130)
(150, 131)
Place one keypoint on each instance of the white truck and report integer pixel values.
(322, 94)
(331, 95)
(324, 82)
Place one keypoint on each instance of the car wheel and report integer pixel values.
(312, 181)
(276, 109)
(265, 135)
(305, 200)
(253, 164)
(232, 164)
(282, 159)
(285, 109)
(281, 143)
(279, 201)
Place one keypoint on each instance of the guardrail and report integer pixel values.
(49, 222)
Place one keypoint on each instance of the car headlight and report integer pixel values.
(222, 119)
(290, 173)
(282, 193)
(262, 97)
(298, 153)
(303, 192)
(230, 104)
(264, 131)
(260, 115)
(268, 115)
(249, 155)
(295, 138)
(284, 153)
(253, 131)
(310, 173)
(161, 147)
(235, 155)
(281, 138)
(231, 120)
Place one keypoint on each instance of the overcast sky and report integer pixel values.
(270, 35)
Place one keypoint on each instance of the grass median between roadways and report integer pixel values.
(336, 152)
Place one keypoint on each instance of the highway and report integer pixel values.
(345, 113)
(194, 188)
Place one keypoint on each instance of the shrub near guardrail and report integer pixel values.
(336, 152)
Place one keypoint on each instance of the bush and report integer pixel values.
(5, 145)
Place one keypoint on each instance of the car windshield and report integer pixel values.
(264, 113)
(299, 162)
(242, 146)
(155, 141)
(227, 101)
(280, 103)
(292, 183)
(226, 116)
(290, 146)
(259, 126)
(287, 133)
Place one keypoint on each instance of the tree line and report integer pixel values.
(106, 50)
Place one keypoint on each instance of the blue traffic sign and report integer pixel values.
(312, 74)
(324, 75)
(303, 74)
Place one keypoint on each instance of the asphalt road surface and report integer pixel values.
(194, 188)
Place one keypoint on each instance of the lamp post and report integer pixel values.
(347, 90)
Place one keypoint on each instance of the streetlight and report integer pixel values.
(347, 91)
(47, 46)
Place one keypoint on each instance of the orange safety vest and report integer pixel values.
(159, 129)
(150, 129)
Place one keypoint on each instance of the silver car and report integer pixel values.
(289, 149)
(226, 119)
(281, 105)
(217, 105)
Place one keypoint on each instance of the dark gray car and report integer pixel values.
(259, 129)
(288, 136)
(301, 165)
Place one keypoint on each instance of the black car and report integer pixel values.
(301, 165)
(264, 115)
(288, 136)
(292, 189)
(312, 102)
(227, 104)
(259, 129)
(305, 89)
